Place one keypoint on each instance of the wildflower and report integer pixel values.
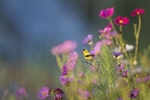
(59, 94)
(134, 93)
(116, 54)
(124, 73)
(119, 98)
(120, 68)
(93, 81)
(129, 47)
(85, 94)
(43, 93)
(65, 47)
(107, 12)
(143, 80)
(92, 68)
(65, 80)
(81, 74)
(72, 59)
(121, 20)
(21, 94)
(138, 11)
(64, 70)
(88, 39)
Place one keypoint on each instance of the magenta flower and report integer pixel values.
(120, 68)
(64, 70)
(134, 93)
(88, 39)
(138, 11)
(106, 13)
(21, 94)
(72, 59)
(65, 80)
(43, 93)
(65, 47)
(124, 73)
(59, 94)
(121, 20)
(143, 80)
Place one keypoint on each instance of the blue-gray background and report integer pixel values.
(30, 28)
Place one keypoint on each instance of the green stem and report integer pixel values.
(58, 59)
(137, 38)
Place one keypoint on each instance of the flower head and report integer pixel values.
(21, 94)
(138, 11)
(43, 93)
(88, 39)
(81, 74)
(124, 73)
(85, 94)
(116, 54)
(65, 47)
(59, 94)
(72, 59)
(134, 93)
(121, 20)
(129, 47)
(64, 70)
(65, 80)
(106, 13)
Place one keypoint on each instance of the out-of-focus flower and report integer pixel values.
(116, 54)
(99, 44)
(43, 93)
(72, 59)
(138, 11)
(124, 73)
(85, 94)
(93, 81)
(21, 94)
(66, 47)
(64, 70)
(143, 80)
(134, 93)
(81, 74)
(121, 20)
(88, 39)
(119, 98)
(59, 94)
(92, 68)
(120, 68)
(107, 33)
(65, 80)
(129, 47)
(106, 13)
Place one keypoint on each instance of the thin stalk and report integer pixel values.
(137, 38)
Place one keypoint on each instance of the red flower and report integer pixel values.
(138, 11)
(121, 20)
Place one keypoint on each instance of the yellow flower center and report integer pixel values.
(120, 21)
(44, 93)
(138, 13)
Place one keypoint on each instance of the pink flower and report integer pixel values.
(106, 13)
(138, 11)
(43, 93)
(107, 31)
(72, 59)
(88, 39)
(66, 47)
(85, 94)
(121, 20)
(21, 94)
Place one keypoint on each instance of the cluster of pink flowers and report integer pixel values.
(107, 13)
(65, 47)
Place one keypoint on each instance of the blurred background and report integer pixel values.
(30, 28)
